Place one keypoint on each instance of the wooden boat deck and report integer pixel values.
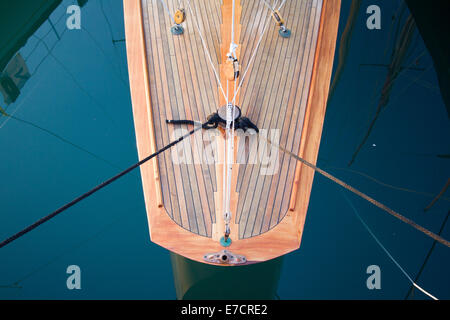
(284, 91)
(274, 97)
(183, 86)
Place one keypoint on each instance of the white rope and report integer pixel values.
(168, 11)
(384, 249)
(231, 126)
(206, 50)
(281, 5)
(232, 22)
(230, 114)
(224, 173)
(256, 50)
(274, 6)
(229, 152)
(268, 5)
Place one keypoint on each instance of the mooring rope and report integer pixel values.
(211, 123)
(362, 195)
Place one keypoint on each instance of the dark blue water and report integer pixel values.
(80, 91)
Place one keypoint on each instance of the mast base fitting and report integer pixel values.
(177, 30)
(225, 243)
(222, 112)
(284, 33)
(242, 123)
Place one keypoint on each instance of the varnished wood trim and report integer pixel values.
(139, 87)
(315, 112)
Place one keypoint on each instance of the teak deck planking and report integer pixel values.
(285, 88)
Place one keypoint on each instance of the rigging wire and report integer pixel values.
(272, 8)
(206, 50)
(384, 248)
(255, 51)
(168, 11)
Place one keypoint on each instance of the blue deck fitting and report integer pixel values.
(225, 243)
(177, 30)
(285, 34)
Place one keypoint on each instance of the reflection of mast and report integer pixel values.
(344, 44)
(394, 69)
(13, 78)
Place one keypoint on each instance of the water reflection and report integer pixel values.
(71, 86)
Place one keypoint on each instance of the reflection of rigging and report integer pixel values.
(41, 40)
(413, 283)
(426, 194)
(395, 67)
(411, 289)
(344, 45)
(112, 38)
(66, 141)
